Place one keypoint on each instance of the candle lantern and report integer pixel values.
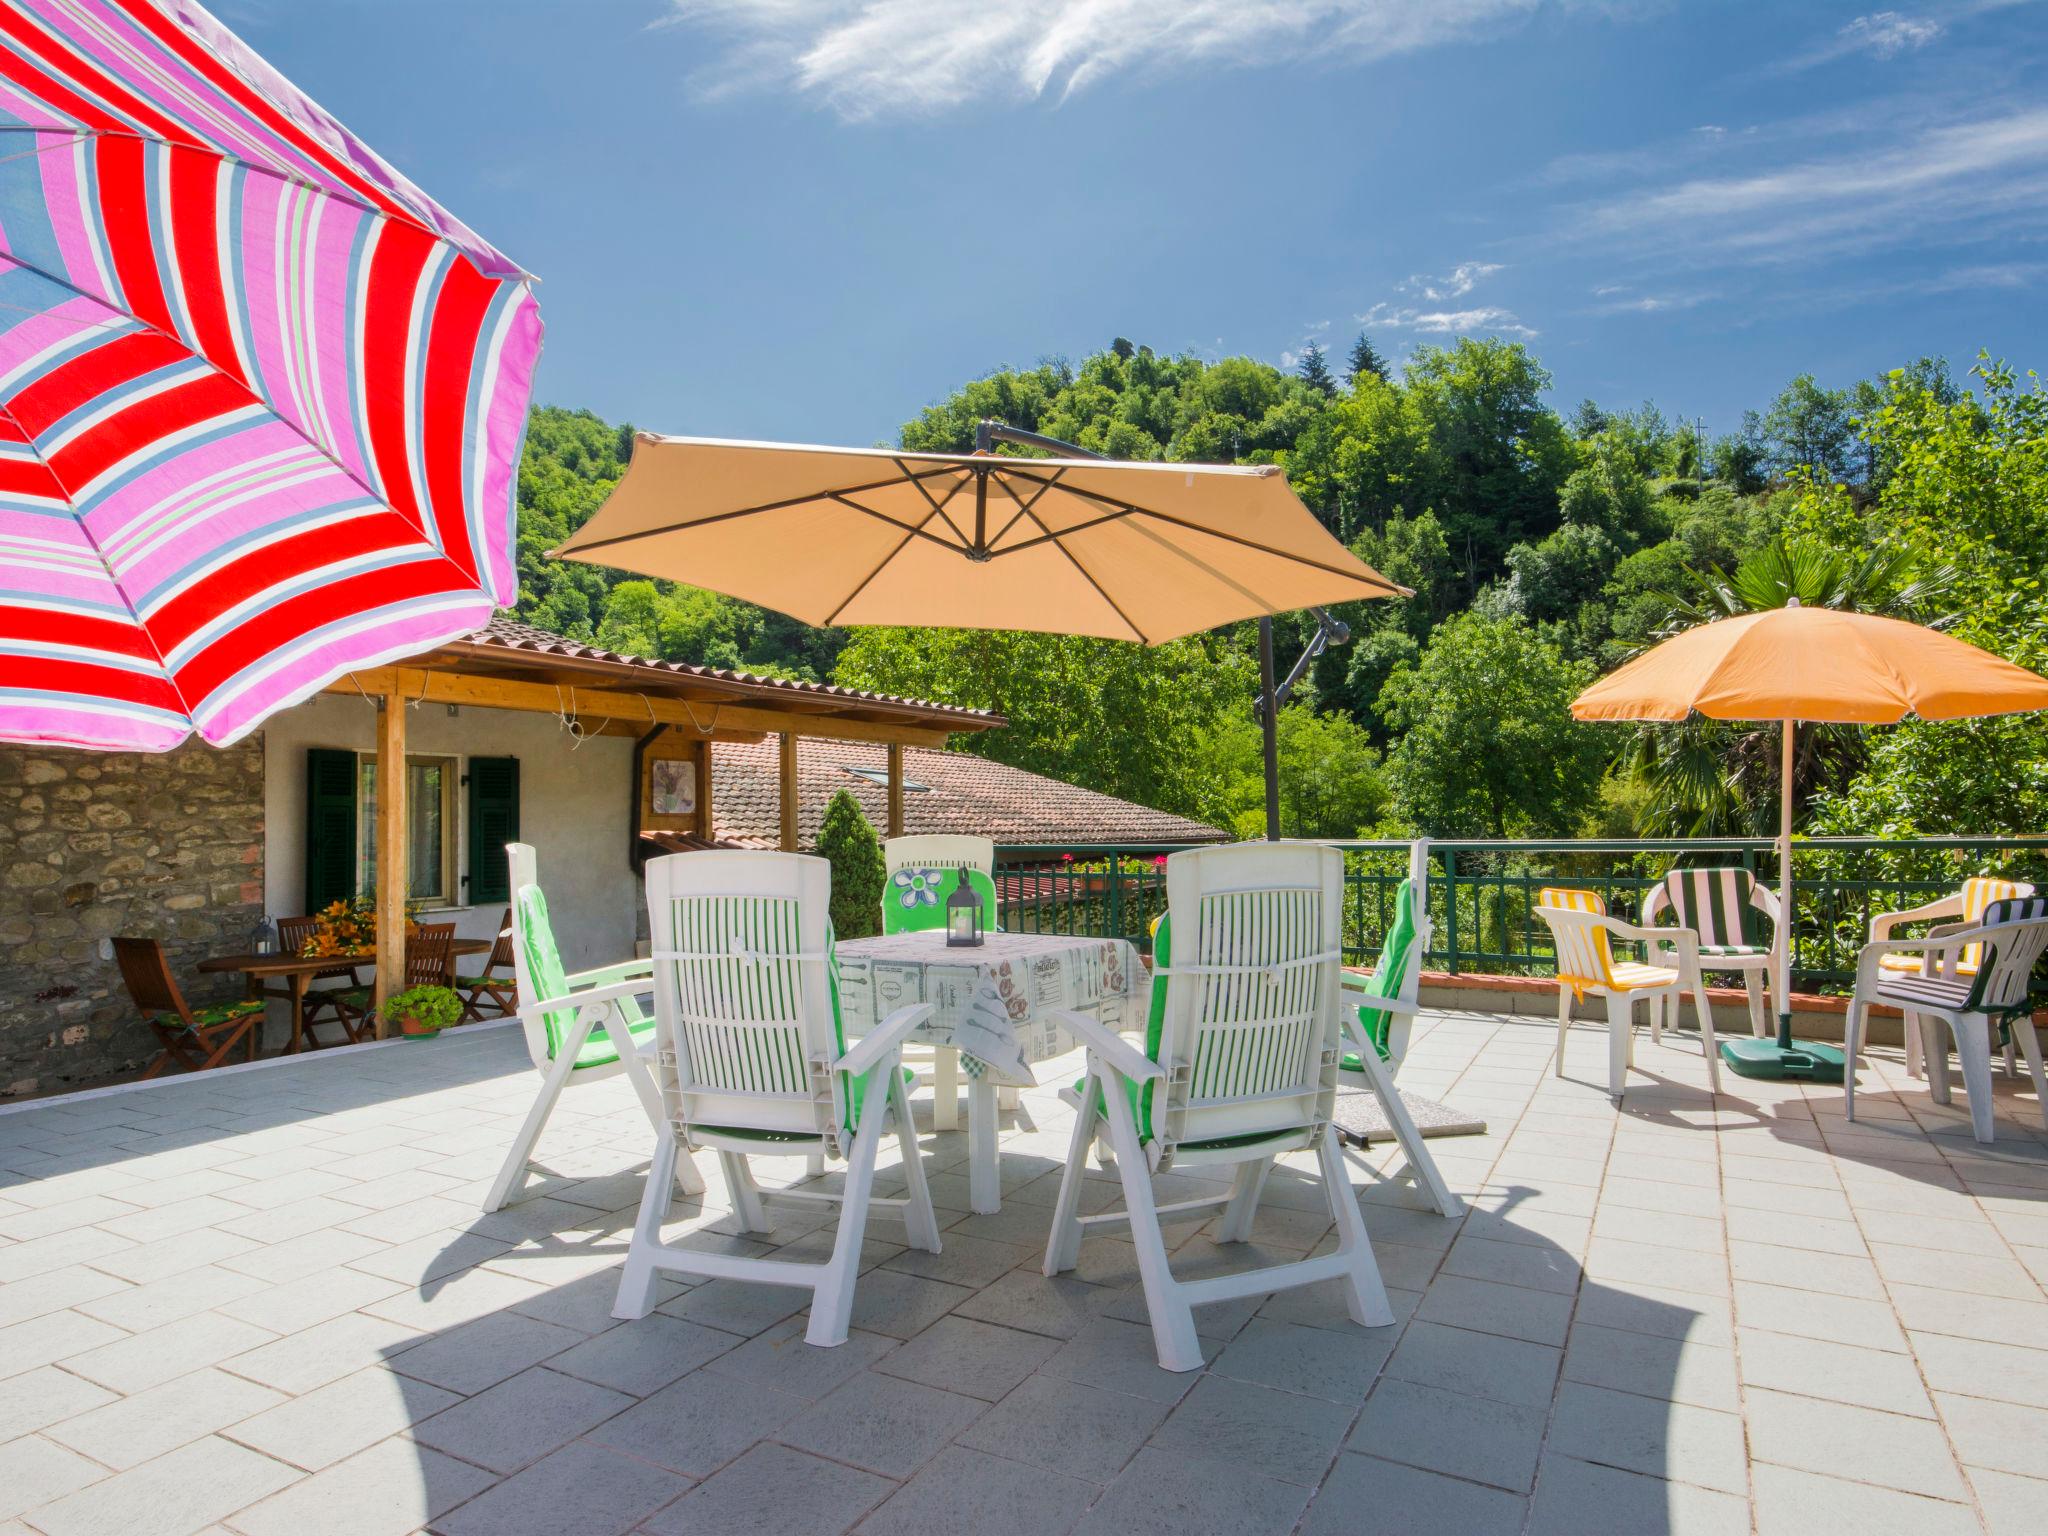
(963, 915)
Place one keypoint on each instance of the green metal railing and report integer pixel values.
(1482, 894)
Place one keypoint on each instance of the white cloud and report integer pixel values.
(876, 58)
(1454, 284)
(1488, 318)
(1924, 181)
(1888, 34)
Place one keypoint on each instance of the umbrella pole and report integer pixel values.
(1269, 721)
(1784, 1057)
(1785, 887)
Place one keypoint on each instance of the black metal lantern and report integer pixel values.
(963, 915)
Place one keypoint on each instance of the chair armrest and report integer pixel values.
(885, 1039)
(1683, 939)
(616, 992)
(625, 970)
(1948, 946)
(1351, 983)
(1944, 906)
(1110, 1048)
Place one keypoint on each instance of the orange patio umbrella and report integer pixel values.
(1821, 664)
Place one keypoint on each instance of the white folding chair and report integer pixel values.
(580, 1028)
(753, 1063)
(1240, 1069)
(2007, 944)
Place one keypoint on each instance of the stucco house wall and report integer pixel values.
(572, 808)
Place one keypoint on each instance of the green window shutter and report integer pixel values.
(330, 826)
(493, 822)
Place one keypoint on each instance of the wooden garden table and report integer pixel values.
(298, 971)
(993, 1004)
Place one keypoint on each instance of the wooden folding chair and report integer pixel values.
(194, 1039)
(322, 1005)
(495, 986)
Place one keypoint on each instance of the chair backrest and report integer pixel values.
(1583, 958)
(745, 997)
(1979, 892)
(1250, 1035)
(920, 877)
(536, 961)
(427, 954)
(501, 947)
(1399, 972)
(1717, 904)
(2016, 931)
(293, 933)
(147, 976)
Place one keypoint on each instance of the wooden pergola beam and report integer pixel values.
(703, 721)
(895, 789)
(789, 792)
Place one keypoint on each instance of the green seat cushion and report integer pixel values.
(599, 1050)
(914, 900)
(213, 1014)
(1396, 955)
(478, 981)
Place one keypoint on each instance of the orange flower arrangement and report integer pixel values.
(349, 927)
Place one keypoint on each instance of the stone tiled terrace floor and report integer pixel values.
(266, 1302)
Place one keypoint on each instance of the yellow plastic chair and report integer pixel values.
(1583, 931)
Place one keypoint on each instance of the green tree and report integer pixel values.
(1314, 370)
(848, 843)
(1487, 743)
(1364, 359)
(1494, 455)
(1811, 428)
(1331, 780)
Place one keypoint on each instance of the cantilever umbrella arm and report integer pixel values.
(1329, 631)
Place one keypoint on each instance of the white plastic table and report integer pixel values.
(994, 1005)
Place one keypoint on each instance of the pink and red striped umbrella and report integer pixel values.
(261, 400)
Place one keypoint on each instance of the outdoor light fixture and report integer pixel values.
(963, 916)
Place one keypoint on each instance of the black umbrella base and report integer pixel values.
(1771, 1058)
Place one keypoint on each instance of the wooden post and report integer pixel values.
(895, 789)
(707, 823)
(789, 792)
(392, 874)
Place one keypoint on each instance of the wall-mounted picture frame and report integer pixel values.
(668, 791)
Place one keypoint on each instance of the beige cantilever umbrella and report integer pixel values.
(1073, 546)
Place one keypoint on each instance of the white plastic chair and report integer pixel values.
(581, 1028)
(1716, 904)
(1965, 905)
(1241, 1068)
(1386, 1002)
(2007, 944)
(1580, 925)
(752, 1063)
(903, 859)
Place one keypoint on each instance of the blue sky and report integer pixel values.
(806, 219)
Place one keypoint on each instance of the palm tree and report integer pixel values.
(1719, 778)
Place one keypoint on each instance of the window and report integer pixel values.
(430, 828)
(341, 827)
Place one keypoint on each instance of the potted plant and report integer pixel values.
(422, 1011)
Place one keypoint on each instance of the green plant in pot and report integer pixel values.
(424, 1010)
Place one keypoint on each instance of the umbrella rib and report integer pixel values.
(909, 530)
(939, 506)
(1023, 506)
(105, 564)
(1075, 561)
(766, 506)
(883, 564)
(1131, 508)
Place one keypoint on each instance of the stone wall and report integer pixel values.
(96, 844)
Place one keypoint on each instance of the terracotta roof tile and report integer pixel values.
(963, 793)
(507, 633)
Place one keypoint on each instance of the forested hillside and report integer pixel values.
(1543, 548)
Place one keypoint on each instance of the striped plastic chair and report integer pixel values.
(1721, 906)
(2007, 943)
(753, 1062)
(1965, 906)
(1239, 1067)
(1583, 931)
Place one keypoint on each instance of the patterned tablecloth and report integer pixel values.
(993, 1003)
